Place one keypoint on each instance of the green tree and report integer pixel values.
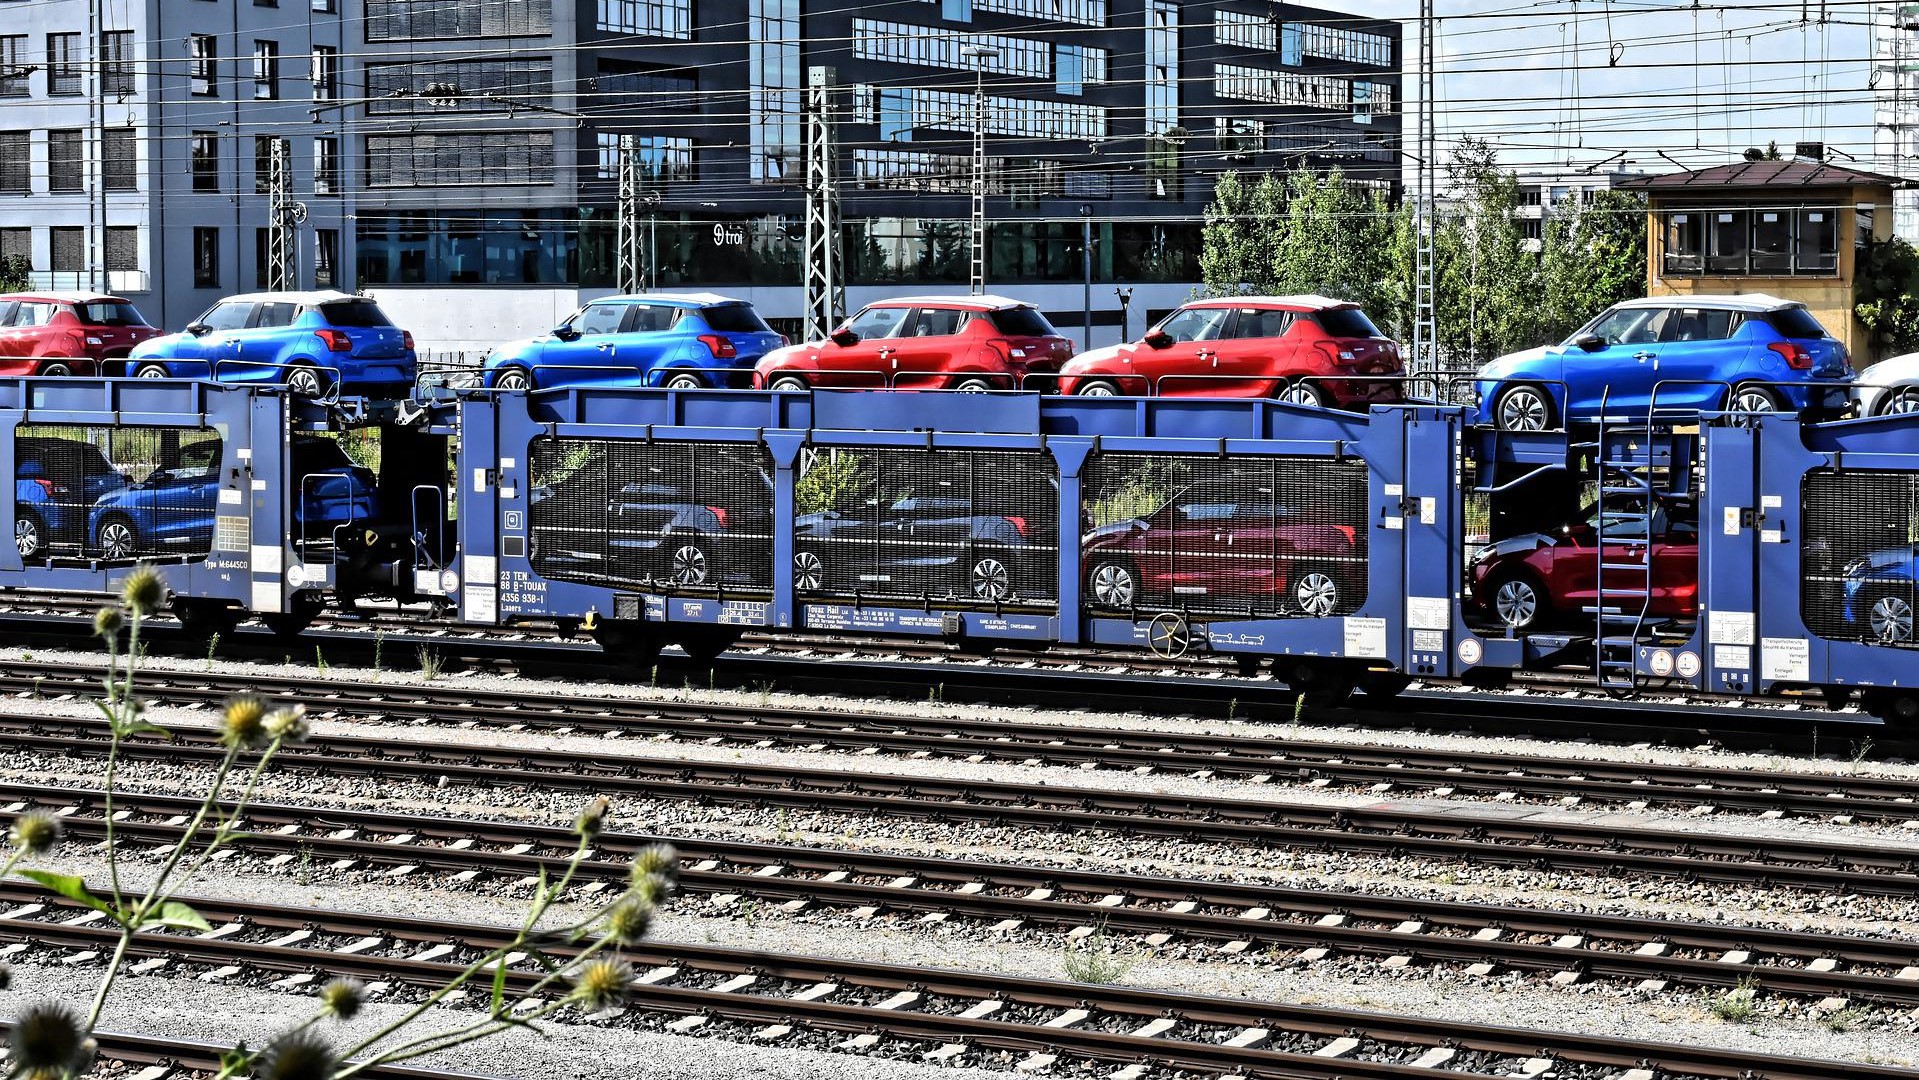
(1228, 249)
(14, 273)
(1886, 296)
(1594, 256)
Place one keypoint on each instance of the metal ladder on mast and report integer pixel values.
(1635, 464)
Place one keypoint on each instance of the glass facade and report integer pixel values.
(662, 159)
(931, 46)
(446, 159)
(1084, 12)
(773, 62)
(647, 18)
(902, 110)
(401, 87)
(1162, 67)
(415, 20)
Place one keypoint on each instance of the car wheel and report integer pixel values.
(55, 369)
(1316, 592)
(685, 380)
(304, 381)
(690, 565)
(809, 573)
(1301, 392)
(1751, 399)
(1523, 408)
(1899, 401)
(1114, 584)
(513, 378)
(1518, 602)
(992, 580)
(152, 371)
(1890, 618)
(1097, 388)
(973, 385)
(789, 384)
(27, 536)
(117, 540)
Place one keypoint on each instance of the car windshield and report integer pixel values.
(1625, 326)
(1795, 322)
(1022, 322)
(735, 319)
(1346, 323)
(354, 313)
(109, 313)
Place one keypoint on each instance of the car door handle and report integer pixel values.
(603, 346)
(1642, 356)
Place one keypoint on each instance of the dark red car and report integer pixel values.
(928, 343)
(1308, 350)
(1536, 580)
(61, 333)
(1226, 546)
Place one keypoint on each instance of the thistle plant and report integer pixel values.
(579, 962)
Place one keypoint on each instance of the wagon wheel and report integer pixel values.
(1169, 635)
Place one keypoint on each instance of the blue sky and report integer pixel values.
(1763, 73)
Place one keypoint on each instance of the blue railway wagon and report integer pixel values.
(1324, 541)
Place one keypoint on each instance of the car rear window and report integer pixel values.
(1346, 322)
(735, 319)
(319, 455)
(109, 313)
(355, 313)
(1795, 322)
(1022, 322)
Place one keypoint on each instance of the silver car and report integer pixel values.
(1888, 387)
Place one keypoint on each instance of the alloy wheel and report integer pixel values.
(1113, 585)
(1522, 409)
(689, 565)
(1891, 618)
(1316, 593)
(790, 384)
(152, 371)
(26, 536)
(1098, 389)
(117, 540)
(991, 580)
(685, 381)
(809, 574)
(1302, 393)
(55, 370)
(512, 379)
(1517, 603)
(1900, 402)
(304, 381)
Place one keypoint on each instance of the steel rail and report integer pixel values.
(1167, 1029)
(1446, 770)
(195, 1056)
(1586, 945)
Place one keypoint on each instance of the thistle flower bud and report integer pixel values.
(601, 984)
(6, 978)
(296, 1055)
(591, 819)
(288, 724)
(143, 591)
(34, 832)
(108, 621)
(46, 1040)
(628, 921)
(243, 724)
(343, 998)
(652, 890)
(656, 860)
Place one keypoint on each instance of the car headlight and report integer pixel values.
(1856, 567)
(1485, 553)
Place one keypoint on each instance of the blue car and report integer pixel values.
(1749, 353)
(1881, 594)
(171, 512)
(55, 482)
(315, 343)
(682, 341)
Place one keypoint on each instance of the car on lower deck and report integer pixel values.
(974, 343)
(67, 333)
(1534, 581)
(56, 483)
(314, 343)
(1309, 350)
(1743, 353)
(1882, 594)
(680, 341)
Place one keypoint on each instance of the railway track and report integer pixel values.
(1380, 830)
(1381, 769)
(148, 1057)
(942, 1015)
(1233, 917)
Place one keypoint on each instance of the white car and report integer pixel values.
(1888, 387)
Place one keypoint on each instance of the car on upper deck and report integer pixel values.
(681, 341)
(67, 333)
(972, 343)
(314, 343)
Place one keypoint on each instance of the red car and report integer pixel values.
(1225, 545)
(1534, 580)
(1302, 349)
(926, 342)
(60, 333)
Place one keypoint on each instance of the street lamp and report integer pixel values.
(979, 54)
(1086, 264)
(1125, 295)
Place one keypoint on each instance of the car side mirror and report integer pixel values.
(1158, 339)
(1590, 342)
(198, 329)
(844, 338)
(565, 333)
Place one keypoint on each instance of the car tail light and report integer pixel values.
(336, 340)
(1352, 534)
(406, 339)
(785, 341)
(721, 348)
(719, 515)
(45, 485)
(1797, 358)
(1018, 524)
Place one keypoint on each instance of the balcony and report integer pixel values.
(119, 282)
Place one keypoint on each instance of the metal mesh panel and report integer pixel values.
(1226, 536)
(1858, 559)
(119, 493)
(949, 526)
(667, 516)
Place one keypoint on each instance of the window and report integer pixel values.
(123, 248)
(204, 161)
(326, 256)
(1022, 321)
(773, 73)
(662, 160)
(227, 315)
(1696, 324)
(931, 46)
(15, 159)
(596, 320)
(16, 244)
(1198, 324)
(68, 247)
(1162, 66)
(1818, 248)
(266, 70)
(206, 258)
(324, 72)
(276, 313)
(1262, 323)
(266, 3)
(734, 319)
(325, 7)
(66, 161)
(1346, 323)
(1726, 236)
(13, 66)
(936, 322)
(878, 322)
(415, 20)
(648, 18)
(445, 159)
(120, 153)
(1628, 326)
(262, 245)
(201, 53)
(956, 10)
(264, 149)
(1069, 69)
(63, 64)
(1084, 12)
(401, 88)
(116, 61)
(326, 165)
(1685, 247)
(1758, 242)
